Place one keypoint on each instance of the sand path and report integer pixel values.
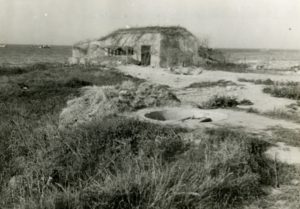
(164, 76)
(262, 102)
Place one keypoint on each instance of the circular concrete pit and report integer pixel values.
(186, 116)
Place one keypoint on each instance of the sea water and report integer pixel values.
(266, 58)
(30, 54)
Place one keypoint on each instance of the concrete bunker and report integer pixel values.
(156, 46)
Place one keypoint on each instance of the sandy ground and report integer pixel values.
(262, 102)
(220, 117)
(248, 121)
(164, 76)
(284, 153)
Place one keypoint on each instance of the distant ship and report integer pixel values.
(44, 47)
(3, 45)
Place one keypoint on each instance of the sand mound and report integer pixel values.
(98, 102)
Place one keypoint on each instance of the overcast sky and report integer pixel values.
(227, 23)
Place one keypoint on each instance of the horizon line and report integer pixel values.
(213, 47)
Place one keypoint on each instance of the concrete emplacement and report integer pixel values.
(186, 116)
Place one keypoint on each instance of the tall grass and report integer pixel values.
(33, 98)
(117, 162)
(286, 91)
(122, 163)
(288, 136)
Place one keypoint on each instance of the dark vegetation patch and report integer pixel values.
(230, 67)
(38, 92)
(269, 82)
(245, 102)
(156, 115)
(290, 137)
(284, 91)
(220, 102)
(224, 102)
(252, 110)
(257, 81)
(15, 70)
(206, 84)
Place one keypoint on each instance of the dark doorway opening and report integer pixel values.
(145, 55)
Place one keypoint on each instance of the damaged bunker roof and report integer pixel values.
(170, 30)
(176, 31)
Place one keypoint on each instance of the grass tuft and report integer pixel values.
(257, 81)
(206, 84)
(220, 102)
(287, 91)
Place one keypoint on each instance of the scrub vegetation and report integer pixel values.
(207, 84)
(117, 162)
(290, 89)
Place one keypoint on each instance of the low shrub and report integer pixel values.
(76, 83)
(220, 102)
(252, 110)
(286, 91)
(229, 67)
(245, 102)
(206, 84)
(257, 81)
